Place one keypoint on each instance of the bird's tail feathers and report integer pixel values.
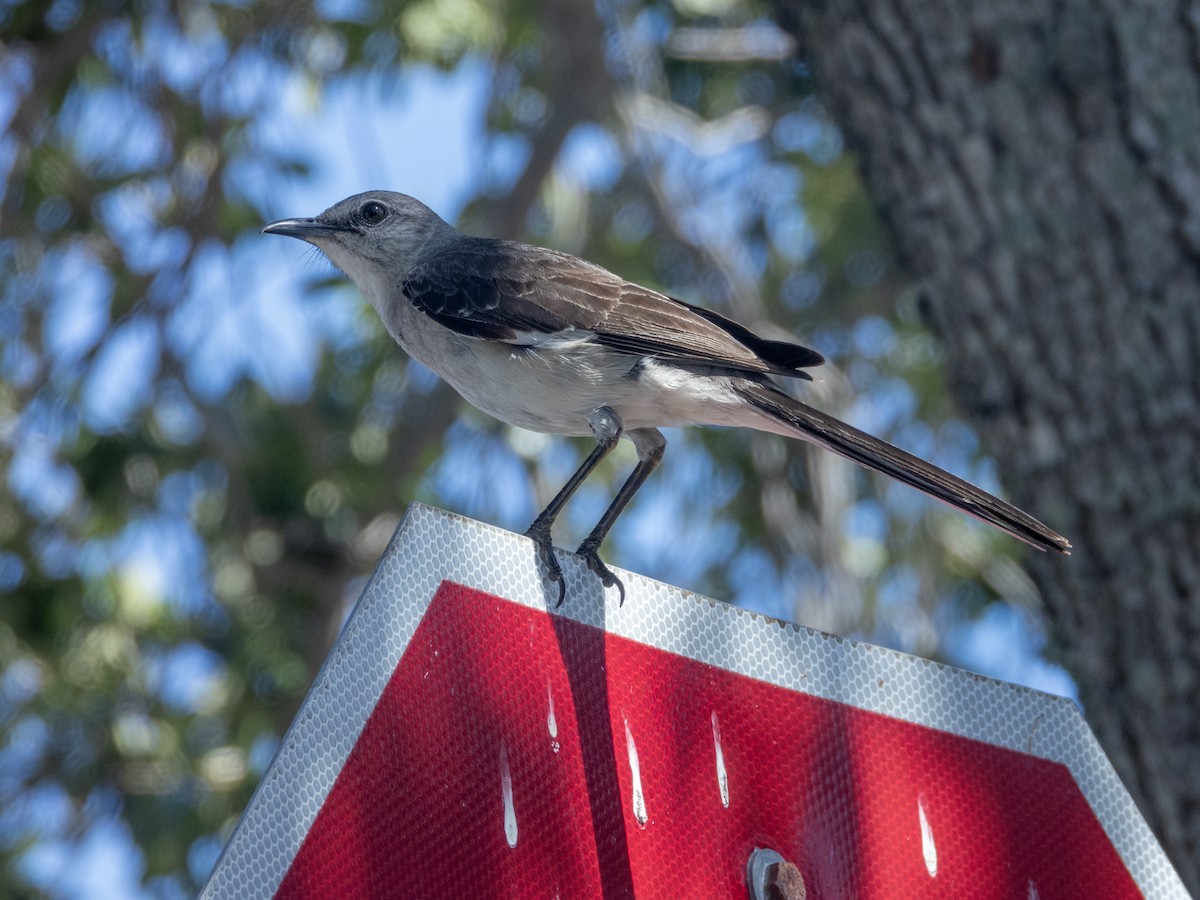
(860, 447)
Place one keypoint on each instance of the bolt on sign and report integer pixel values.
(466, 739)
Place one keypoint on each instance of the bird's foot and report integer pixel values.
(541, 537)
(590, 552)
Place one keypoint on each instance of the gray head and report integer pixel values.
(371, 237)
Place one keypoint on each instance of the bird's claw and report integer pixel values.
(588, 551)
(591, 555)
(556, 575)
(545, 549)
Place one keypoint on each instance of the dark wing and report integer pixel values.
(514, 292)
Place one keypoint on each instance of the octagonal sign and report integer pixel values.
(465, 739)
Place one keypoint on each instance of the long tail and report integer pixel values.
(881, 456)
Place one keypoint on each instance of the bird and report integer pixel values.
(549, 342)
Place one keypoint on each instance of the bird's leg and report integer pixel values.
(650, 447)
(606, 426)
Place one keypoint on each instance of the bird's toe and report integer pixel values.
(606, 575)
(545, 550)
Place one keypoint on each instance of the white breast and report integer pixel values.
(552, 383)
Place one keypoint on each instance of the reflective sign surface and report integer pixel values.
(462, 744)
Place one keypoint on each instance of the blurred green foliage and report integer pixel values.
(131, 160)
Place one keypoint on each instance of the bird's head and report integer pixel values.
(371, 236)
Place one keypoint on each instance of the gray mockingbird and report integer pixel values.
(546, 341)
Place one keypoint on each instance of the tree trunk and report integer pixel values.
(1038, 162)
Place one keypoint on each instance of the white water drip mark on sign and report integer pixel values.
(928, 849)
(506, 794)
(551, 722)
(635, 773)
(1033, 894)
(722, 776)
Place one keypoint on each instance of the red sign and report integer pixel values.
(515, 752)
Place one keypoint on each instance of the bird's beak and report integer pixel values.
(304, 229)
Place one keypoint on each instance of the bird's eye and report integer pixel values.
(373, 213)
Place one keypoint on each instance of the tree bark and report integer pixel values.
(1038, 162)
